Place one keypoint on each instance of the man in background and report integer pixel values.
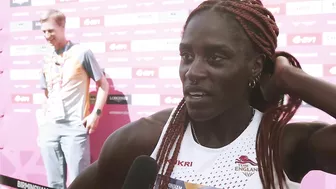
(66, 74)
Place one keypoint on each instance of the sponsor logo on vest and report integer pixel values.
(182, 163)
(246, 166)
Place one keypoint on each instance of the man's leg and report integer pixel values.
(76, 148)
(52, 155)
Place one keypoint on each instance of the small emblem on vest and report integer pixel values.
(182, 163)
(246, 166)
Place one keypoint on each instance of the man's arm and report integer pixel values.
(94, 71)
(102, 93)
(43, 83)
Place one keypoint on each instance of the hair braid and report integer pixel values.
(264, 26)
(161, 153)
(260, 26)
(174, 131)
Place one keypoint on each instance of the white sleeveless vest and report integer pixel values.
(233, 166)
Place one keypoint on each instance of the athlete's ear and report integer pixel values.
(258, 65)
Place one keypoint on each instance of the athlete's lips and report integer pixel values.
(194, 90)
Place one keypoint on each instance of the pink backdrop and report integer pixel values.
(133, 39)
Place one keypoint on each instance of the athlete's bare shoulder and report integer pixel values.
(120, 149)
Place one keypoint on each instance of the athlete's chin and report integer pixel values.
(202, 109)
(201, 114)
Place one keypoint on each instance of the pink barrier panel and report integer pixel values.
(133, 39)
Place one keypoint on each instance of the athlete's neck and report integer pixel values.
(225, 128)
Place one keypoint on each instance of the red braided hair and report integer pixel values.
(260, 26)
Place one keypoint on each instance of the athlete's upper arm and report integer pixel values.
(114, 161)
(133, 140)
(299, 156)
(87, 179)
(120, 150)
(323, 144)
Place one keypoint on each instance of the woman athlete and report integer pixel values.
(231, 128)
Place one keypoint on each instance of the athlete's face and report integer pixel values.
(216, 64)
